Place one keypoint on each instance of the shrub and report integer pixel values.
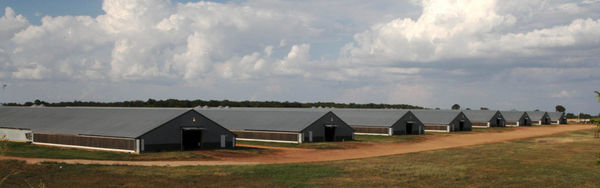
(3, 145)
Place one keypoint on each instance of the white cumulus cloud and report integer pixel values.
(149, 40)
(505, 54)
(563, 94)
(463, 29)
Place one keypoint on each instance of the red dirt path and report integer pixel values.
(300, 155)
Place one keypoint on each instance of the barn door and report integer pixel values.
(329, 133)
(191, 139)
(409, 128)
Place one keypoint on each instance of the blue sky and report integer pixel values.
(496, 54)
(34, 10)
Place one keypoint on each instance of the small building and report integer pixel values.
(516, 118)
(381, 121)
(580, 121)
(485, 118)
(15, 134)
(116, 129)
(443, 120)
(281, 124)
(557, 118)
(539, 117)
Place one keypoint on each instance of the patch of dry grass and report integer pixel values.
(36, 151)
(561, 161)
(565, 160)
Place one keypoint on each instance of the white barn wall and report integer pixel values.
(18, 135)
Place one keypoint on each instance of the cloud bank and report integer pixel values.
(503, 55)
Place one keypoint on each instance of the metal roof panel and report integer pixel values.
(100, 121)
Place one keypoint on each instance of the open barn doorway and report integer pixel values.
(409, 128)
(498, 122)
(461, 126)
(191, 139)
(329, 133)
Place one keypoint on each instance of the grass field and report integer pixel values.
(493, 129)
(30, 150)
(394, 138)
(373, 139)
(485, 130)
(314, 145)
(565, 160)
(342, 145)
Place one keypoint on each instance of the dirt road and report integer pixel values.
(298, 155)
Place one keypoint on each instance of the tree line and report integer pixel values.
(580, 115)
(213, 103)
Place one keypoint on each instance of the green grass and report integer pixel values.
(492, 129)
(62, 175)
(29, 150)
(314, 145)
(476, 130)
(393, 138)
(294, 175)
(565, 160)
(19, 149)
(274, 144)
(342, 145)
(556, 161)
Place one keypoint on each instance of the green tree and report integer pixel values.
(585, 116)
(560, 108)
(150, 102)
(215, 103)
(598, 124)
(598, 96)
(3, 145)
(455, 107)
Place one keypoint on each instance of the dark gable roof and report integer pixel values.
(536, 115)
(370, 117)
(479, 115)
(554, 116)
(100, 121)
(265, 119)
(512, 116)
(436, 116)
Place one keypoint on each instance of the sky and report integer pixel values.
(503, 55)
